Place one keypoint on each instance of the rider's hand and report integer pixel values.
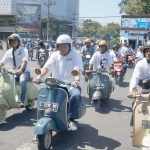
(131, 95)
(18, 71)
(75, 84)
(37, 79)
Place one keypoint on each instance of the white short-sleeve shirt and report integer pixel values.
(96, 60)
(61, 66)
(21, 54)
(141, 71)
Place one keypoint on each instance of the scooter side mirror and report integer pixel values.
(74, 73)
(38, 71)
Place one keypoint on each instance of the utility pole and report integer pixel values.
(48, 19)
(74, 24)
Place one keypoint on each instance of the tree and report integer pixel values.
(134, 6)
(90, 28)
(95, 29)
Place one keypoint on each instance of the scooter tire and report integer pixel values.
(42, 145)
(3, 113)
(96, 106)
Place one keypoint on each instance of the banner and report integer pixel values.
(135, 23)
(28, 16)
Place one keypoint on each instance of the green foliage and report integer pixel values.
(135, 6)
(95, 29)
(90, 28)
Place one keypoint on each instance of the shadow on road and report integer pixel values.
(85, 136)
(112, 105)
(26, 118)
(125, 84)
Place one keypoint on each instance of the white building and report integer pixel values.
(63, 13)
(133, 29)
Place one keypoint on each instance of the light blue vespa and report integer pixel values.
(52, 112)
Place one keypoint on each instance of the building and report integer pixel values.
(135, 29)
(32, 15)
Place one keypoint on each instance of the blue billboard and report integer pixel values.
(135, 23)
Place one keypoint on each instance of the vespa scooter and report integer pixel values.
(99, 88)
(9, 93)
(141, 120)
(86, 60)
(52, 111)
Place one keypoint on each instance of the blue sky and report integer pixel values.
(100, 8)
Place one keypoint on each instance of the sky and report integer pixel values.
(100, 8)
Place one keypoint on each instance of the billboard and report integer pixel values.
(28, 18)
(135, 23)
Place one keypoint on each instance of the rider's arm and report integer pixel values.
(90, 66)
(92, 61)
(5, 59)
(135, 77)
(44, 71)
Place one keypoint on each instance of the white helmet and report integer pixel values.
(64, 39)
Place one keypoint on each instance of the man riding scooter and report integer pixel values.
(141, 72)
(116, 54)
(18, 58)
(97, 58)
(139, 55)
(61, 63)
(30, 46)
(87, 49)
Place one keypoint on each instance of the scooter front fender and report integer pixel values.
(44, 125)
(3, 101)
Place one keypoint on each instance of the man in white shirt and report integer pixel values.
(17, 56)
(116, 54)
(141, 72)
(142, 69)
(139, 55)
(61, 63)
(98, 58)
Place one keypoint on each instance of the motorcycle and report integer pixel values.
(118, 74)
(99, 89)
(41, 55)
(86, 60)
(30, 51)
(141, 120)
(131, 61)
(52, 110)
(9, 93)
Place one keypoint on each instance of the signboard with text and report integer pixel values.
(28, 16)
(130, 23)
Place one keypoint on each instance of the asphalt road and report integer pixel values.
(105, 130)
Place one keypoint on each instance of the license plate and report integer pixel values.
(51, 106)
(146, 124)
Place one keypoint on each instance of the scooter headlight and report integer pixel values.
(51, 81)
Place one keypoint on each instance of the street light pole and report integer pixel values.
(74, 26)
(48, 5)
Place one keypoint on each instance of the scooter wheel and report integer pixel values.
(44, 141)
(3, 113)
